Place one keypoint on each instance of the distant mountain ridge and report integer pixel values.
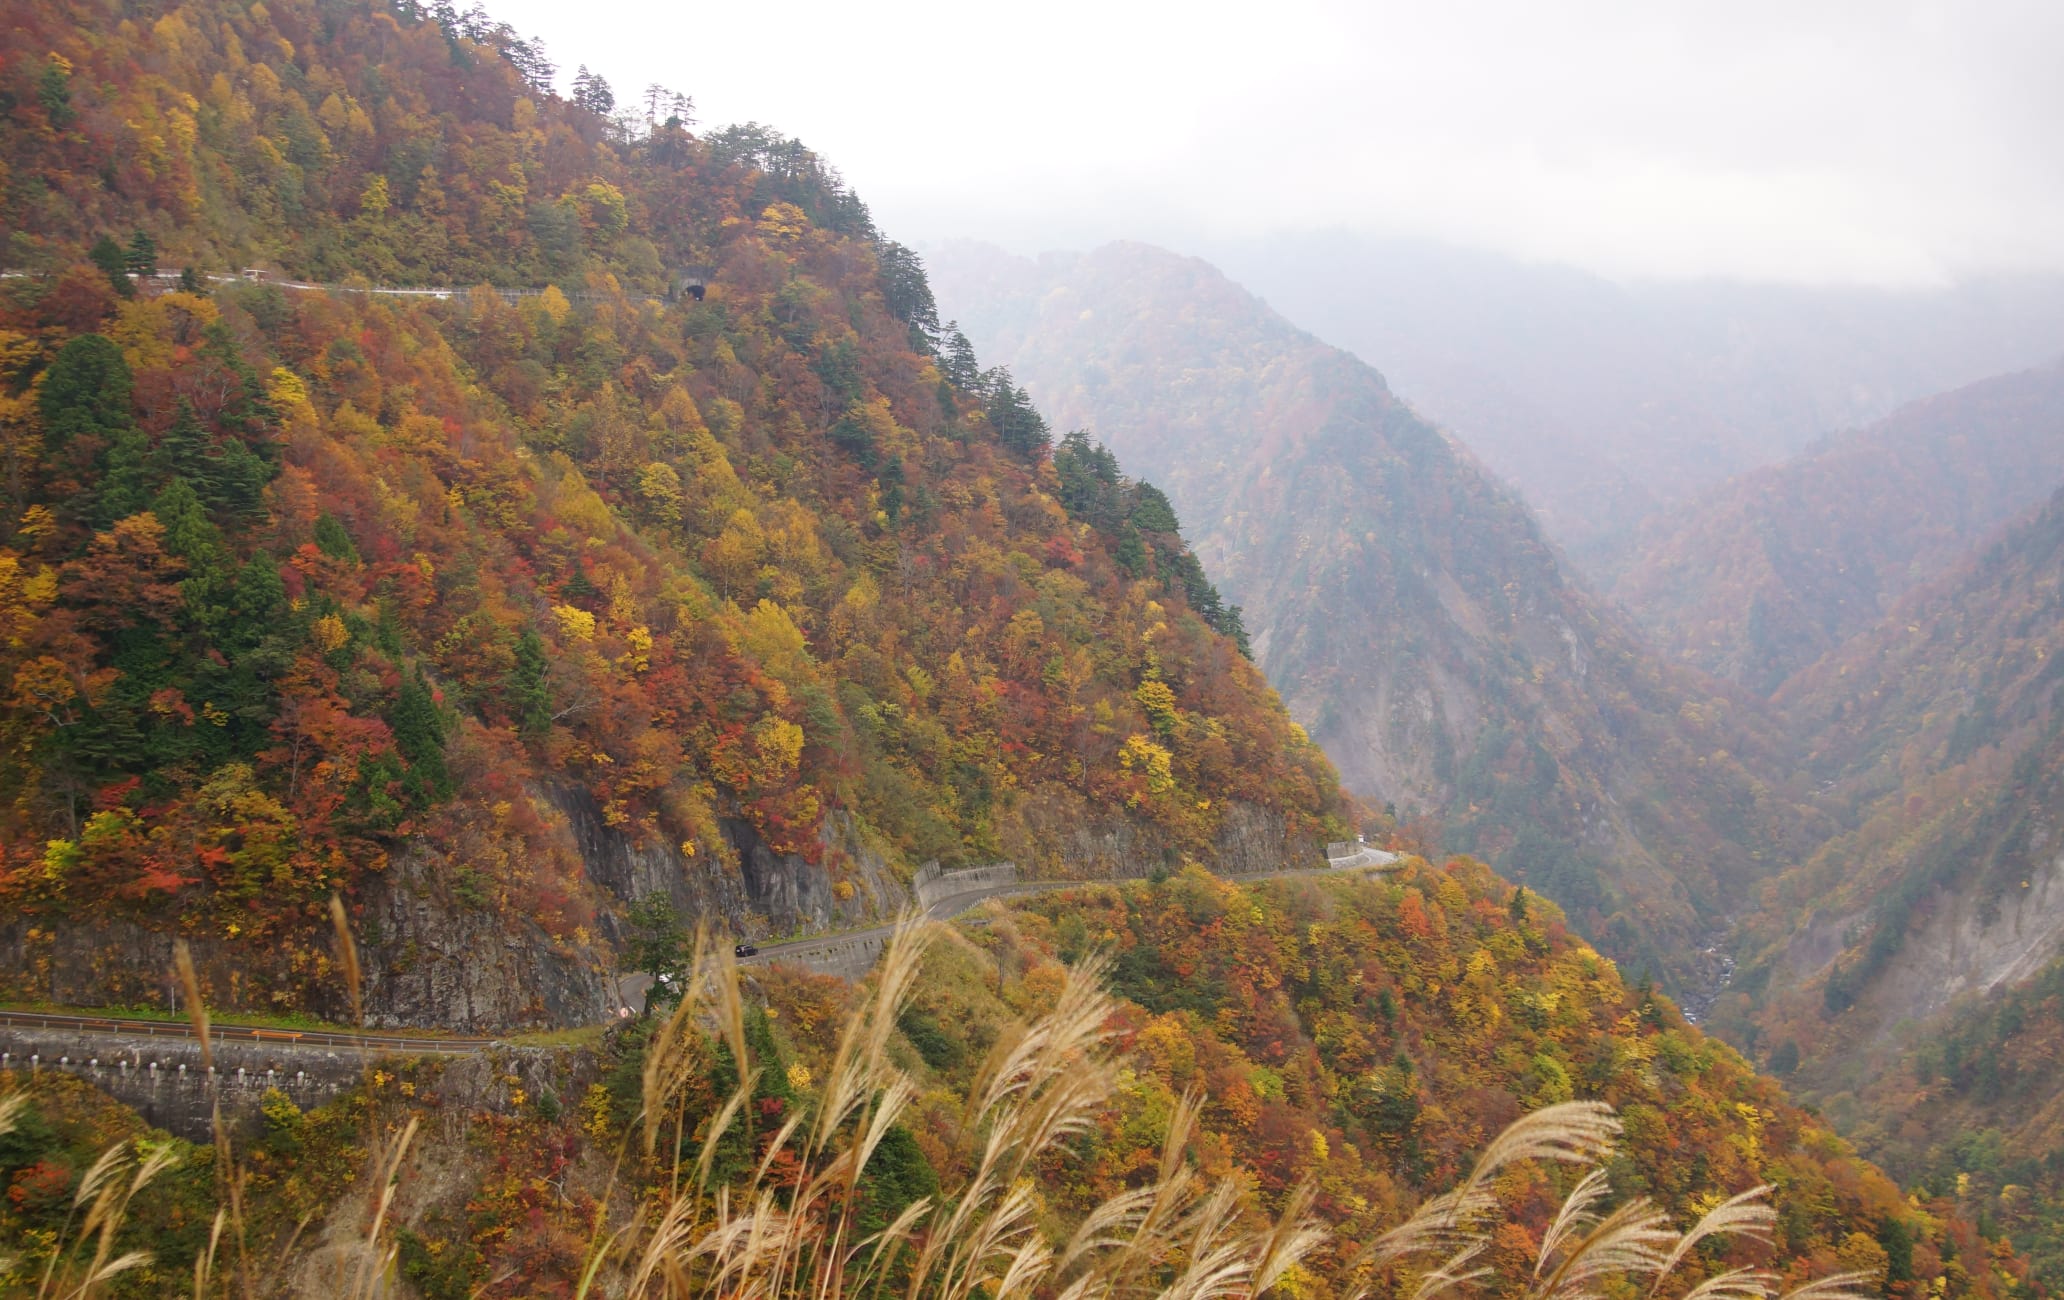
(1771, 570)
(1606, 402)
(1404, 602)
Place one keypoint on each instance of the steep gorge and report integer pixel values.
(1769, 572)
(1405, 602)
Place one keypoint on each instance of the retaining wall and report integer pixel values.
(166, 1082)
(465, 1077)
(849, 958)
(931, 884)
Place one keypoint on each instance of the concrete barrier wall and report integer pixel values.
(849, 958)
(165, 1080)
(930, 884)
(145, 1073)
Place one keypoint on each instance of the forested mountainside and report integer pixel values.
(1935, 736)
(493, 613)
(1890, 973)
(1356, 1041)
(1973, 1111)
(1765, 574)
(659, 550)
(1403, 601)
(1607, 403)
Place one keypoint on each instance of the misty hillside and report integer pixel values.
(1761, 576)
(1403, 601)
(1940, 741)
(501, 613)
(1907, 975)
(477, 559)
(1605, 402)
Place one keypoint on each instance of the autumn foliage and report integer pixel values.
(291, 580)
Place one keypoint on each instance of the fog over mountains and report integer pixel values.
(504, 558)
(1402, 598)
(1804, 708)
(1605, 402)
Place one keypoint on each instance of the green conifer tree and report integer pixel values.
(530, 688)
(86, 391)
(141, 257)
(419, 734)
(113, 263)
(332, 540)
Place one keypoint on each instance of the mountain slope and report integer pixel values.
(1937, 737)
(1769, 572)
(1331, 1044)
(1905, 974)
(1607, 403)
(496, 614)
(1403, 601)
(1972, 1111)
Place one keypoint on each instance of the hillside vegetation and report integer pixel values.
(1138, 1089)
(1938, 737)
(1773, 570)
(1405, 602)
(494, 613)
(1904, 976)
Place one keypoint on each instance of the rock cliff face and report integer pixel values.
(1056, 837)
(429, 960)
(434, 956)
(1969, 940)
(432, 959)
(1971, 943)
(767, 892)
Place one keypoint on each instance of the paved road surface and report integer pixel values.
(948, 908)
(944, 909)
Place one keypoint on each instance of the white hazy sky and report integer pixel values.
(1820, 141)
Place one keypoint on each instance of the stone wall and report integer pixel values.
(164, 1079)
(848, 958)
(434, 957)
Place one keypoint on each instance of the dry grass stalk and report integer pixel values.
(788, 1230)
(105, 1195)
(1744, 1283)
(1837, 1286)
(1454, 1271)
(347, 959)
(1747, 1214)
(1176, 1239)
(1630, 1241)
(196, 1005)
(800, 1239)
(375, 1259)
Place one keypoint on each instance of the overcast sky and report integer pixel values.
(1834, 140)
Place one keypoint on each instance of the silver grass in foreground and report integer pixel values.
(785, 1225)
(1180, 1237)
(1043, 1086)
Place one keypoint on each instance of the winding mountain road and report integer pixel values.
(945, 909)
(840, 954)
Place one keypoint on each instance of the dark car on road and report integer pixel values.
(744, 950)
